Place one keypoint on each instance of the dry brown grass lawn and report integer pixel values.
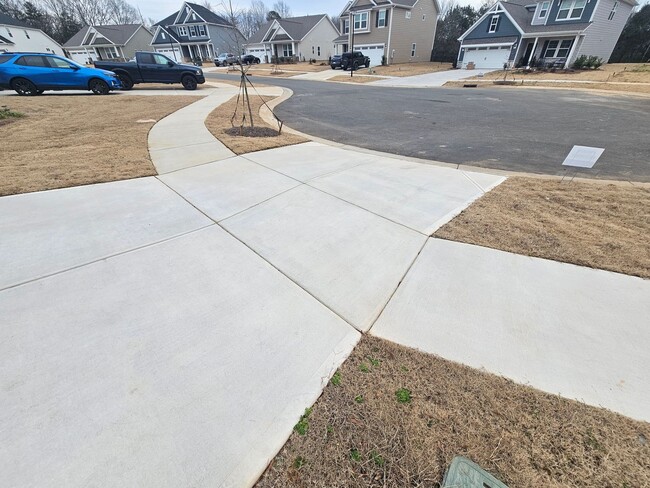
(69, 140)
(219, 124)
(589, 224)
(617, 72)
(410, 69)
(355, 78)
(359, 435)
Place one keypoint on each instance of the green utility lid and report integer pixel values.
(463, 473)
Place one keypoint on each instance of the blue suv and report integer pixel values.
(33, 73)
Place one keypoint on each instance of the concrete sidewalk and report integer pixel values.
(170, 331)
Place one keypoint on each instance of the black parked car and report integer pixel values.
(335, 62)
(151, 67)
(249, 59)
(354, 60)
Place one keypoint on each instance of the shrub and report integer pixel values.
(595, 62)
(580, 62)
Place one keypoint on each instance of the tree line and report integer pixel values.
(61, 19)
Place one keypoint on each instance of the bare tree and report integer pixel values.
(282, 8)
(258, 11)
(446, 6)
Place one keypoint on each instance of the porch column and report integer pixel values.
(573, 50)
(532, 53)
(293, 49)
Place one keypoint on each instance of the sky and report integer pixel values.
(159, 9)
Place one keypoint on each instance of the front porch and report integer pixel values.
(547, 51)
(203, 51)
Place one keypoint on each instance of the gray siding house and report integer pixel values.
(399, 31)
(548, 32)
(101, 42)
(196, 32)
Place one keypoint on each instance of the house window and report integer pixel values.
(287, 50)
(361, 21)
(9, 32)
(192, 31)
(202, 30)
(381, 18)
(407, 14)
(571, 9)
(424, 17)
(413, 50)
(613, 12)
(182, 31)
(543, 10)
(162, 34)
(27, 34)
(312, 49)
(318, 51)
(558, 49)
(494, 23)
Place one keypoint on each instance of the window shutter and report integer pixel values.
(387, 12)
(377, 18)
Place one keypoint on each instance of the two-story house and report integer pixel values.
(16, 36)
(307, 37)
(102, 42)
(196, 32)
(547, 32)
(389, 31)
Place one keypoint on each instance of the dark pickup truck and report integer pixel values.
(153, 68)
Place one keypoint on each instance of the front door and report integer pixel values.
(529, 50)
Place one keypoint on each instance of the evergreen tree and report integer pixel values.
(634, 44)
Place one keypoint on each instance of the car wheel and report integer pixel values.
(257, 61)
(367, 65)
(99, 87)
(332, 66)
(189, 82)
(39, 92)
(24, 88)
(355, 66)
(127, 82)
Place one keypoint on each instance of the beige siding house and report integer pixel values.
(303, 38)
(389, 31)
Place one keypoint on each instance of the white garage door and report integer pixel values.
(374, 52)
(258, 53)
(170, 53)
(487, 57)
(80, 57)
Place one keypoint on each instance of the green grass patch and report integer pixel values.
(403, 395)
(336, 379)
(7, 113)
(355, 455)
(303, 425)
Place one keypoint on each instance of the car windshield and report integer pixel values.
(5, 57)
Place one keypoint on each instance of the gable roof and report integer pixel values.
(207, 15)
(7, 20)
(114, 34)
(296, 27)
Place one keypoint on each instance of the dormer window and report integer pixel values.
(543, 9)
(613, 12)
(182, 30)
(571, 9)
(494, 23)
(192, 31)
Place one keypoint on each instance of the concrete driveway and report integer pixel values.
(428, 80)
(170, 331)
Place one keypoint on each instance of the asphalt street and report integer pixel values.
(530, 130)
